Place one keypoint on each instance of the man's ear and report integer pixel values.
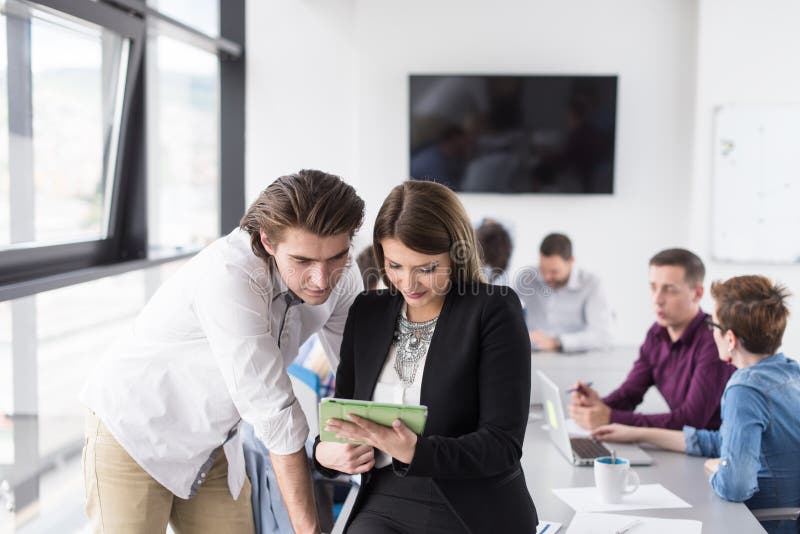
(265, 243)
(699, 291)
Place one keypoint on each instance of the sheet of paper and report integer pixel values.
(584, 523)
(648, 496)
(547, 527)
(576, 431)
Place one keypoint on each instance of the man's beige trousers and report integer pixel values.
(121, 498)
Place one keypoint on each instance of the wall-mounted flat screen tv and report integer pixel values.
(514, 134)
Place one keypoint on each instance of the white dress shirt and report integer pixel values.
(391, 390)
(209, 349)
(578, 314)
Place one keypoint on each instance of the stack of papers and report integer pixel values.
(646, 497)
(584, 523)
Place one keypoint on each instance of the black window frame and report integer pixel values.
(27, 270)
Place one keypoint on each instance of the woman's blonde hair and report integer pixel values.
(428, 218)
(315, 201)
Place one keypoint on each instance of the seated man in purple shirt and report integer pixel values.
(678, 356)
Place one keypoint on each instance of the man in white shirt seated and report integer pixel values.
(566, 308)
(210, 349)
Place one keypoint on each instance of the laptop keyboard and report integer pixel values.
(588, 448)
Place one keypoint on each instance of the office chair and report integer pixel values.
(305, 384)
(347, 508)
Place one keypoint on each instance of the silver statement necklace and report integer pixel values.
(411, 341)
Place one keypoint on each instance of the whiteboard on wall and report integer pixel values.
(756, 184)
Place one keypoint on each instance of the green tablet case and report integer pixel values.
(384, 414)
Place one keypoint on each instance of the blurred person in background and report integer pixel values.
(567, 309)
(496, 248)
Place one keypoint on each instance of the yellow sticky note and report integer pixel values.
(551, 414)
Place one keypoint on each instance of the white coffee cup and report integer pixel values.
(614, 479)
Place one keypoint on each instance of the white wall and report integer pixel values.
(650, 45)
(747, 53)
(300, 103)
(327, 87)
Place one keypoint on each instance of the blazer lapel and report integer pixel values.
(433, 361)
(378, 347)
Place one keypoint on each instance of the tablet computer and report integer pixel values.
(384, 414)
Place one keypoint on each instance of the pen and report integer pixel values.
(629, 526)
(544, 529)
(571, 390)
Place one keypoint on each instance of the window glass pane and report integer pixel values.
(5, 367)
(70, 330)
(183, 145)
(5, 219)
(61, 118)
(202, 15)
(74, 327)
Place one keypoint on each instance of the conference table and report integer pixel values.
(547, 469)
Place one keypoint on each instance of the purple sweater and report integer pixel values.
(688, 373)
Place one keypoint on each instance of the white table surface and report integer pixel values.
(546, 469)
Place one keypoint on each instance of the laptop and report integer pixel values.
(580, 450)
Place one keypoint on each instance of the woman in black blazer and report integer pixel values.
(440, 337)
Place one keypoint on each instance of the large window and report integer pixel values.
(118, 120)
(183, 147)
(61, 108)
(112, 150)
(68, 329)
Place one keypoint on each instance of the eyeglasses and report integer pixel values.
(712, 325)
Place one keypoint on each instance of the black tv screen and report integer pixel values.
(514, 134)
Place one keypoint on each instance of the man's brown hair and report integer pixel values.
(754, 308)
(428, 218)
(556, 245)
(693, 268)
(311, 200)
(370, 274)
(495, 243)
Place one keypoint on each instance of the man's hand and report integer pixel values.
(398, 441)
(541, 341)
(617, 433)
(590, 417)
(711, 466)
(583, 395)
(345, 457)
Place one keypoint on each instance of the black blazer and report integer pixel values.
(476, 385)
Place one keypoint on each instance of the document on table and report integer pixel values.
(646, 497)
(584, 523)
(547, 527)
(576, 431)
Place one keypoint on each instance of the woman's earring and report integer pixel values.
(729, 359)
